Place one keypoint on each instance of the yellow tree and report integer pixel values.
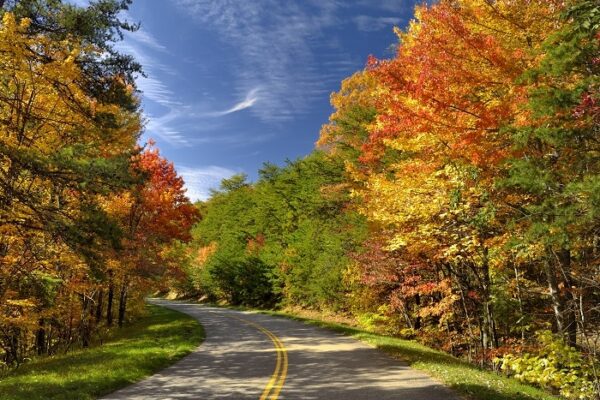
(437, 145)
(348, 127)
(59, 150)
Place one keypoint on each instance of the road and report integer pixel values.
(254, 356)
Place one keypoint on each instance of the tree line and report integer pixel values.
(454, 196)
(88, 217)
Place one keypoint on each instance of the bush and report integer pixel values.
(553, 365)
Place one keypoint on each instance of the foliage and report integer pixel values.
(282, 239)
(87, 218)
(553, 365)
(97, 27)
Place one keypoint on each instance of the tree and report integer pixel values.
(96, 27)
(437, 147)
(69, 122)
(556, 169)
(57, 155)
(154, 214)
(285, 238)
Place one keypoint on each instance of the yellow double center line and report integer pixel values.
(277, 380)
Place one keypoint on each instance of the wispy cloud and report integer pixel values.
(276, 44)
(180, 124)
(143, 46)
(368, 23)
(199, 181)
(249, 101)
(165, 127)
(157, 91)
(393, 6)
(189, 125)
(286, 58)
(145, 38)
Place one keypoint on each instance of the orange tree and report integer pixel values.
(153, 215)
(434, 152)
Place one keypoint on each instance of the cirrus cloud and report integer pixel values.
(200, 180)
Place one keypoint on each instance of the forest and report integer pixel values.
(453, 197)
(88, 217)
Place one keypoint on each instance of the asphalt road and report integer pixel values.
(253, 356)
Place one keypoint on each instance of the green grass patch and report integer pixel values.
(465, 378)
(153, 342)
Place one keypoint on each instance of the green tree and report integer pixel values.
(558, 171)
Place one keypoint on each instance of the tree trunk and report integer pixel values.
(122, 304)
(40, 338)
(489, 324)
(557, 301)
(570, 314)
(467, 318)
(520, 300)
(12, 350)
(69, 338)
(85, 321)
(99, 304)
(417, 308)
(109, 303)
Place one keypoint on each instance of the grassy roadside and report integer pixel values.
(134, 352)
(466, 379)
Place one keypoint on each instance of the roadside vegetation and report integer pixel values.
(89, 217)
(154, 341)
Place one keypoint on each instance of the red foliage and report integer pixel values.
(162, 208)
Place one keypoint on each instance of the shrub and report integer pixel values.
(553, 365)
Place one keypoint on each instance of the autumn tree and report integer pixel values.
(153, 215)
(60, 150)
(97, 27)
(556, 169)
(436, 147)
(70, 120)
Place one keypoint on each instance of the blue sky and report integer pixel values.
(232, 84)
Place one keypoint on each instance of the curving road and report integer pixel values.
(254, 356)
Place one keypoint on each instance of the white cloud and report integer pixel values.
(277, 74)
(249, 101)
(152, 87)
(145, 38)
(199, 130)
(163, 127)
(140, 44)
(155, 90)
(141, 35)
(395, 6)
(181, 124)
(199, 181)
(275, 42)
(367, 23)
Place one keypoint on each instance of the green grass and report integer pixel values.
(466, 379)
(134, 352)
